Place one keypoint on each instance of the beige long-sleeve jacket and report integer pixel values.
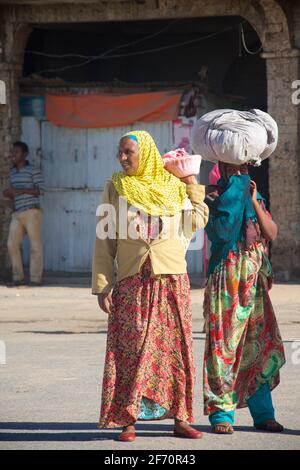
(167, 251)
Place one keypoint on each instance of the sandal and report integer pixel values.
(223, 428)
(127, 435)
(270, 425)
(188, 433)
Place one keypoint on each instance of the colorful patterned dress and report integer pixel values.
(149, 367)
(243, 347)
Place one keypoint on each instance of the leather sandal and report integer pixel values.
(270, 425)
(188, 433)
(223, 428)
(127, 435)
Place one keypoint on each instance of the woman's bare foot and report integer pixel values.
(223, 428)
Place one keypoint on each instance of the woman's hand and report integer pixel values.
(189, 179)
(105, 302)
(253, 190)
(267, 226)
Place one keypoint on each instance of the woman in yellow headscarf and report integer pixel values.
(146, 217)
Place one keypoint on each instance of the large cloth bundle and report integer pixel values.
(235, 137)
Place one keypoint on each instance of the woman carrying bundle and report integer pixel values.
(244, 350)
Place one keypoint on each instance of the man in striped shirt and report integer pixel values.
(26, 185)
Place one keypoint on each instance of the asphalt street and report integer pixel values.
(50, 385)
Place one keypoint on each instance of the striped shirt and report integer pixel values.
(28, 177)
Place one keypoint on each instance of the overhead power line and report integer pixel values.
(107, 54)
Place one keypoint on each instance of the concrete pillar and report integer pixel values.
(284, 165)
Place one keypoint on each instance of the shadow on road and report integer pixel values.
(63, 332)
(76, 431)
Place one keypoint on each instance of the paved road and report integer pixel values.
(50, 386)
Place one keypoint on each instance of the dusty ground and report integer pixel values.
(50, 385)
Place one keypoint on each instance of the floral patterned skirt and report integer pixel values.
(149, 367)
(243, 344)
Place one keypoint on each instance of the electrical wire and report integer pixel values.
(105, 56)
(83, 56)
(244, 42)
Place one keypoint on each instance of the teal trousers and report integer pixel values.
(260, 406)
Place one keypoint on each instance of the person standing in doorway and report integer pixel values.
(26, 185)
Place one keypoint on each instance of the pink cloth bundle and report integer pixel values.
(214, 174)
(180, 163)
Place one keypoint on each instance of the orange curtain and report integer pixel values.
(104, 110)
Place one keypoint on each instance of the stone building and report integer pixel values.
(277, 25)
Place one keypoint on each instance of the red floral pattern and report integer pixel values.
(149, 348)
(243, 347)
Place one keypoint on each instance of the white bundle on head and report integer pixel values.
(235, 137)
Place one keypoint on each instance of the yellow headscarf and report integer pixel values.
(153, 189)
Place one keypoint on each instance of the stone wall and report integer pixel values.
(13, 38)
(284, 174)
(9, 132)
(279, 32)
